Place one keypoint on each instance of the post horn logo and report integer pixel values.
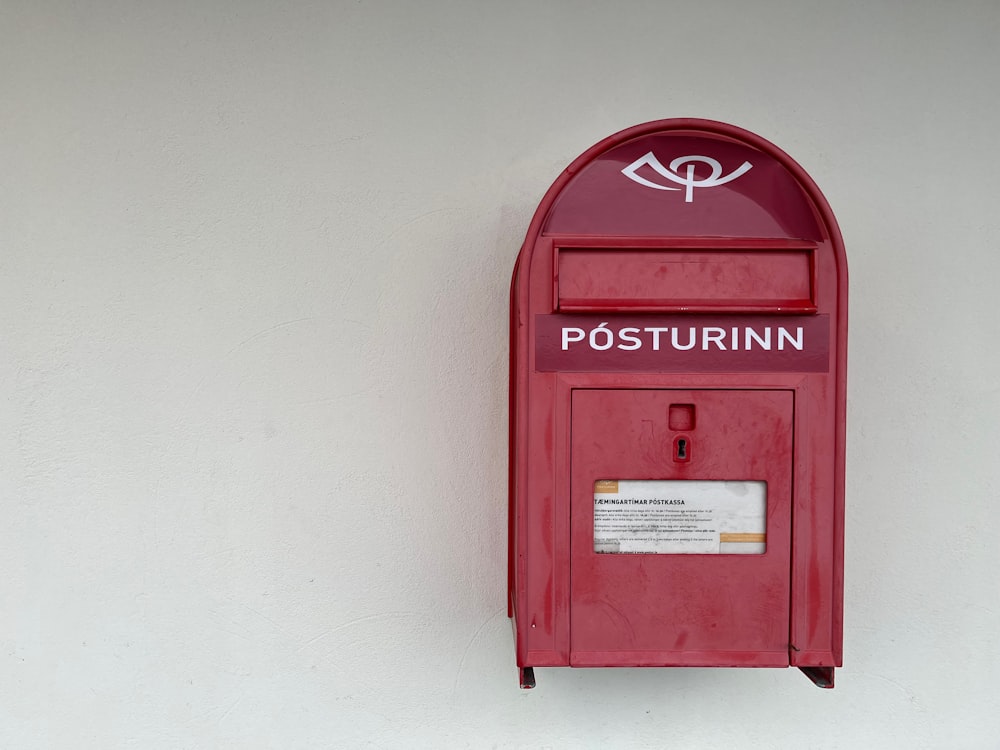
(688, 179)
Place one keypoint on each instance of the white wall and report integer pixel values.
(253, 273)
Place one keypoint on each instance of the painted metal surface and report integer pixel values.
(696, 232)
(649, 609)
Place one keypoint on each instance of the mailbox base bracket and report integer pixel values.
(820, 676)
(527, 675)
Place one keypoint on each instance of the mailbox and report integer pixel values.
(677, 410)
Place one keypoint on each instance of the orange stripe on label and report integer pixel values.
(605, 486)
(733, 537)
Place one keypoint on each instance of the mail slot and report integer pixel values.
(677, 400)
(778, 280)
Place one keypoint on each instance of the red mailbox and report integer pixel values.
(677, 403)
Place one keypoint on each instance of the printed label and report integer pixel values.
(678, 516)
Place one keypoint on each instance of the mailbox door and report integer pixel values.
(671, 606)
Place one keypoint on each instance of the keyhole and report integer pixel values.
(682, 449)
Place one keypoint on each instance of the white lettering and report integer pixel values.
(784, 335)
(608, 338)
(656, 336)
(712, 335)
(634, 341)
(566, 340)
(752, 335)
(711, 338)
(692, 339)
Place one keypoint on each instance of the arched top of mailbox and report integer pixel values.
(685, 178)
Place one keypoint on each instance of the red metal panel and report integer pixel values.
(681, 279)
(765, 201)
(680, 609)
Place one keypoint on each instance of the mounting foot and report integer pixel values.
(527, 678)
(820, 676)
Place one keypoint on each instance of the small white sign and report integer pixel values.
(680, 516)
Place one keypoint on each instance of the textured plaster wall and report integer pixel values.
(254, 260)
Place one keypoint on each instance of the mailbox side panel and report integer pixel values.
(818, 531)
(540, 516)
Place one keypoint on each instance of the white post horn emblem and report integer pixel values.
(688, 179)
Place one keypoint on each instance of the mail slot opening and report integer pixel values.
(770, 280)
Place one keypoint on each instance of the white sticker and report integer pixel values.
(680, 516)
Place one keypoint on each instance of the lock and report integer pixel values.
(682, 450)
